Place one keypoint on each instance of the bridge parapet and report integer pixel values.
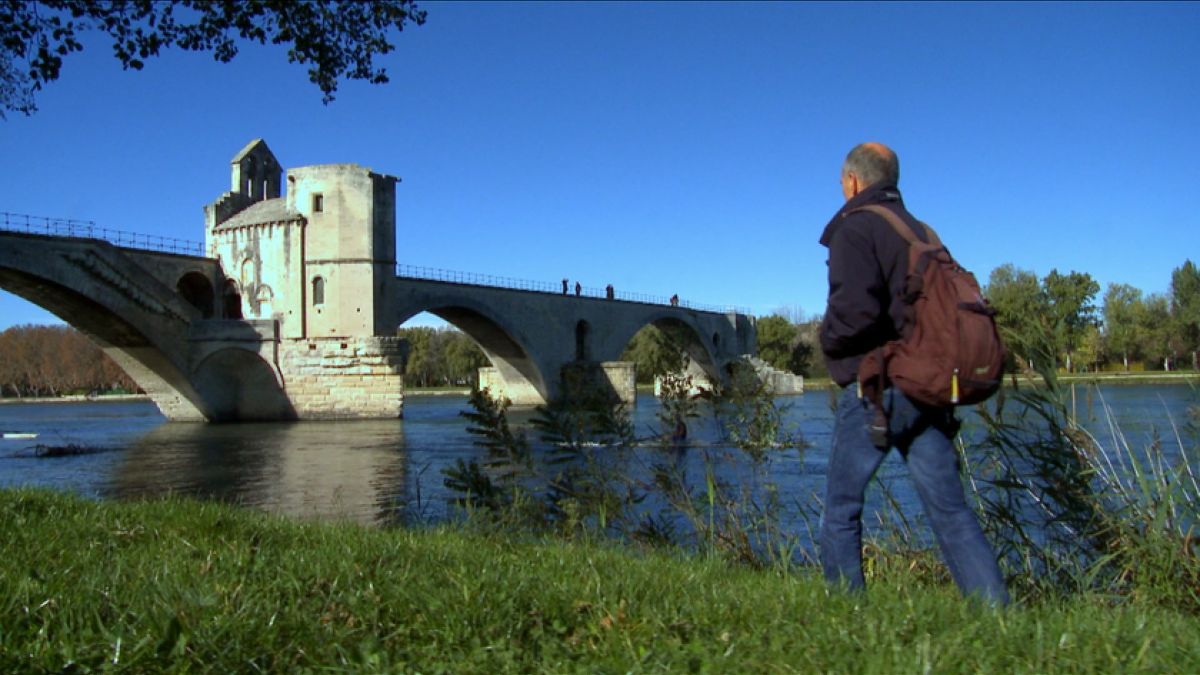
(86, 229)
(492, 281)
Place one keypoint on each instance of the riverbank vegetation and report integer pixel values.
(584, 548)
(1069, 512)
(1125, 330)
(182, 586)
(39, 361)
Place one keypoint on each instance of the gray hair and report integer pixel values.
(871, 165)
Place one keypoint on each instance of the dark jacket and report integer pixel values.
(868, 263)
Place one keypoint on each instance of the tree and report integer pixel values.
(1093, 350)
(804, 349)
(1122, 332)
(1154, 321)
(441, 356)
(655, 353)
(807, 359)
(335, 38)
(1185, 308)
(421, 366)
(1070, 310)
(41, 360)
(1020, 308)
(794, 314)
(776, 336)
(463, 358)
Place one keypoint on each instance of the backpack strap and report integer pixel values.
(873, 388)
(900, 226)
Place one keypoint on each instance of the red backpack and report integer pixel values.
(949, 352)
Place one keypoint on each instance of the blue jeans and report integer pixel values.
(924, 438)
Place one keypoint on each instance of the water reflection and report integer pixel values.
(353, 470)
(390, 471)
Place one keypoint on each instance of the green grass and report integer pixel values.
(181, 586)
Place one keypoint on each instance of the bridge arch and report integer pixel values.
(140, 323)
(548, 337)
(198, 291)
(583, 341)
(242, 387)
(231, 300)
(522, 373)
(700, 349)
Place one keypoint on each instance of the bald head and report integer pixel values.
(872, 163)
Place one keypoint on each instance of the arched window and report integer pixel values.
(251, 174)
(247, 273)
(231, 300)
(196, 289)
(318, 291)
(263, 301)
(582, 335)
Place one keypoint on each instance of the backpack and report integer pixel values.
(949, 352)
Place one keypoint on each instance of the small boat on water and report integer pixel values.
(16, 435)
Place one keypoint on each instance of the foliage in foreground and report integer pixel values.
(1066, 513)
(180, 586)
(334, 39)
(591, 476)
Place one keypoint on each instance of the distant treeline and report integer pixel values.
(441, 357)
(1060, 319)
(56, 360)
(447, 357)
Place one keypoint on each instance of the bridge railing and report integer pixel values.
(450, 276)
(86, 229)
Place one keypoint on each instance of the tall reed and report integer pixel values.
(592, 475)
(1065, 511)
(1069, 511)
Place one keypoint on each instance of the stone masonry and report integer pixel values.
(344, 378)
(313, 256)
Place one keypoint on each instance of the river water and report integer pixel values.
(390, 471)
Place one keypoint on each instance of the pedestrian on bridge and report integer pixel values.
(578, 289)
(564, 286)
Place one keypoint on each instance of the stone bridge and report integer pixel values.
(158, 315)
(533, 337)
(290, 307)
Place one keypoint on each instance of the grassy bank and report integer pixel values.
(180, 586)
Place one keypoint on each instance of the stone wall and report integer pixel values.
(344, 378)
(581, 379)
(781, 382)
(518, 393)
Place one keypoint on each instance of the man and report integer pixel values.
(868, 263)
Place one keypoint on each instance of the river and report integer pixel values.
(390, 471)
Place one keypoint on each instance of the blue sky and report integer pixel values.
(673, 147)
